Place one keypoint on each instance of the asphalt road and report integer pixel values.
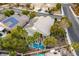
(74, 30)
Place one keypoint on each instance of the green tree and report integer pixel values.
(31, 40)
(8, 12)
(50, 41)
(16, 40)
(58, 5)
(57, 31)
(54, 9)
(0, 42)
(36, 35)
(12, 53)
(25, 12)
(49, 10)
(32, 14)
(75, 45)
(65, 23)
(12, 12)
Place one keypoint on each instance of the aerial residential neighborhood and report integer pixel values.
(39, 29)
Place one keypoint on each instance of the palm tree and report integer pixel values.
(36, 35)
(31, 40)
(32, 14)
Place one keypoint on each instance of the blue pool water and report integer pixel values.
(38, 46)
(10, 22)
(40, 55)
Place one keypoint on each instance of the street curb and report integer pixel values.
(72, 11)
(69, 42)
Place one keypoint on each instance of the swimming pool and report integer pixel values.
(10, 22)
(38, 46)
(40, 55)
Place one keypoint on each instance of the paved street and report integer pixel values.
(74, 30)
(53, 16)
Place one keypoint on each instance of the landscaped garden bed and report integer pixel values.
(75, 8)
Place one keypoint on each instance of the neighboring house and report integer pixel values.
(11, 22)
(43, 6)
(15, 20)
(42, 25)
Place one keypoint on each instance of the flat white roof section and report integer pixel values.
(43, 25)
